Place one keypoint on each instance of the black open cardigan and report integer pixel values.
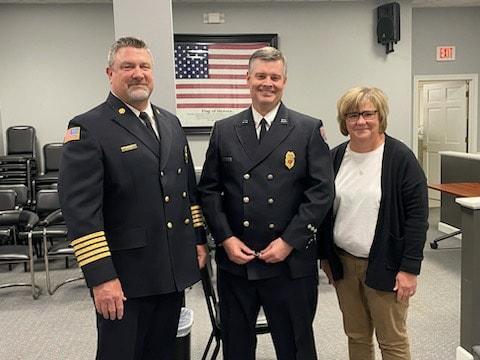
(402, 222)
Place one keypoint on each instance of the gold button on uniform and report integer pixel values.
(246, 199)
(184, 194)
(246, 223)
(187, 221)
(167, 198)
(270, 177)
(169, 225)
(271, 226)
(246, 176)
(179, 171)
(270, 200)
(162, 173)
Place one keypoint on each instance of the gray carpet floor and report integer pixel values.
(62, 326)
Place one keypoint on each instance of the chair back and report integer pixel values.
(51, 155)
(21, 140)
(47, 202)
(7, 199)
(21, 193)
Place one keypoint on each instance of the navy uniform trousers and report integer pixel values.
(147, 331)
(289, 306)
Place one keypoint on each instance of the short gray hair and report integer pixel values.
(268, 53)
(124, 42)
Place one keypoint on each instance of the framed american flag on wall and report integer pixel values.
(210, 76)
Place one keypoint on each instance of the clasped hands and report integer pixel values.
(240, 253)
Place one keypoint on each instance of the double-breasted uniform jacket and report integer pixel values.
(129, 201)
(280, 188)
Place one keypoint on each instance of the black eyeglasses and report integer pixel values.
(366, 115)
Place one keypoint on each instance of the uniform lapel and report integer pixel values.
(165, 132)
(279, 130)
(245, 128)
(124, 117)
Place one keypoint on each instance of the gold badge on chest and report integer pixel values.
(289, 160)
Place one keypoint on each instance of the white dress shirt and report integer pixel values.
(257, 117)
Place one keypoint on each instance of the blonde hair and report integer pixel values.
(354, 97)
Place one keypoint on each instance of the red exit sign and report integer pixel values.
(445, 53)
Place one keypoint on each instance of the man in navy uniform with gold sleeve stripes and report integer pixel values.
(128, 194)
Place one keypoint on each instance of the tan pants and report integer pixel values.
(365, 309)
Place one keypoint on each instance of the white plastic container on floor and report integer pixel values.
(183, 334)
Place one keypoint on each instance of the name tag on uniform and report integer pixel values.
(129, 147)
(227, 159)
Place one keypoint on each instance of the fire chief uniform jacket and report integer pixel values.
(280, 188)
(129, 200)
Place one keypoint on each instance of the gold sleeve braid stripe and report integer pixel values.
(197, 216)
(90, 248)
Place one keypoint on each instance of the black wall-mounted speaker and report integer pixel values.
(388, 25)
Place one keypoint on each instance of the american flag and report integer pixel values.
(72, 134)
(211, 77)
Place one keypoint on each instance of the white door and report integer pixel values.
(444, 109)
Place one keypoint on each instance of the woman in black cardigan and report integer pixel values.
(372, 242)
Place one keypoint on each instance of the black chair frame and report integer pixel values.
(211, 298)
(16, 253)
(46, 231)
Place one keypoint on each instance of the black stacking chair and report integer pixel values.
(8, 199)
(52, 230)
(22, 141)
(7, 202)
(51, 155)
(18, 223)
(19, 166)
(214, 311)
(21, 191)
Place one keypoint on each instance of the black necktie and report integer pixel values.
(148, 123)
(263, 130)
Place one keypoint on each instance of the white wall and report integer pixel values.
(447, 26)
(53, 58)
(154, 26)
(52, 64)
(330, 47)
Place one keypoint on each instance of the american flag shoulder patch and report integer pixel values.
(72, 134)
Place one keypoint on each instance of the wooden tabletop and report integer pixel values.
(463, 189)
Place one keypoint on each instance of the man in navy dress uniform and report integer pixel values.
(128, 194)
(266, 186)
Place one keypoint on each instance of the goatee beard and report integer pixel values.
(139, 95)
